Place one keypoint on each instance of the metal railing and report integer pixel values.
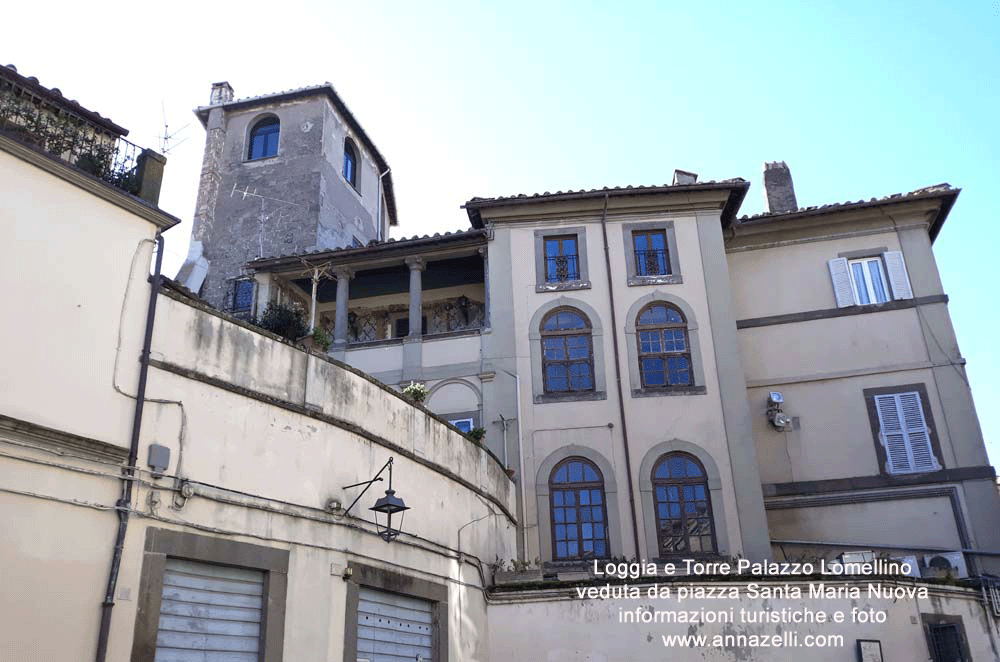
(561, 268)
(652, 262)
(69, 137)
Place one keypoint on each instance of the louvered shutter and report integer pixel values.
(394, 628)
(209, 613)
(917, 432)
(843, 289)
(904, 433)
(899, 280)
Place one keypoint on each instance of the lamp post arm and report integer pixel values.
(368, 483)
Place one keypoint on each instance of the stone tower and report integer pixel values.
(284, 173)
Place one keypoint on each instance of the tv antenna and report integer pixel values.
(166, 138)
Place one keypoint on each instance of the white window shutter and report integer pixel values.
(899, 280)
(892, 435)
(843, 289)
(917, 432)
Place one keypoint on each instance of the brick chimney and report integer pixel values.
(779, 193)
(221, 93)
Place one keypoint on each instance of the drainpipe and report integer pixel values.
(618, 379)
(378, 201)
(128, 472)
(520, 463)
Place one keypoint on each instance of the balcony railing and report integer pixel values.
(71, 138)
(561, 268)
(440, 317)
(652, 263)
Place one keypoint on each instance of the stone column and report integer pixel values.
(417, 266)
(343, 276)
(486, 286)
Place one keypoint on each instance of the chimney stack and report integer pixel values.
(221, 93)
(684, 177)
(778, 190)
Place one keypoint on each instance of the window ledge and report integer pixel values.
(657, 392)
(663, 279)
(546, 398)
(263, 159)
(564, 286)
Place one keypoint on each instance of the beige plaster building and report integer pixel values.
(650, 382)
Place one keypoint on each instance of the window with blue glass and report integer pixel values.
(463, 424)
(664, 347)
(869, 280)
(567, 352)
(651, 255)
(242, 303)
(350, 162)
(562, 259)
(684, 523)
(579, 516)
(264, 139)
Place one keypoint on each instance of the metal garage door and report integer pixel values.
(209, 613)
(393, 628)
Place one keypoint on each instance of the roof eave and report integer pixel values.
(737, 192)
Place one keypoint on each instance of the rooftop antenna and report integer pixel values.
(247, 193)
(167, 139)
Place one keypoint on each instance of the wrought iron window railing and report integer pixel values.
(69, 137)
(561, 268)
(652, 262)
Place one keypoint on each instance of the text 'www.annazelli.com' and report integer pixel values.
(783, 640)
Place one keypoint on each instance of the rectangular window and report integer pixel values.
(651, 255)
(903, 432)
(242, 303)
(463, 424)
(862, 278)
(868, 279)
(562, 259)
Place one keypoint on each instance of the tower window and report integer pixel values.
(264, 139)
(350, 162)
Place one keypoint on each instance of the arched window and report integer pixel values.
(683, 506)
(264, 139)
(567, 352)
(664, 350)
(579, 518)
(350, 162)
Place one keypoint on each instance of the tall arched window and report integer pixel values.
(567, 352)
(579, 518)
(264, 138)
(664, 349)
(683, 505)
(350, 162)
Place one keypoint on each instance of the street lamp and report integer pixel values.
(388, 505)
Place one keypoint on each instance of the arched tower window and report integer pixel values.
(579, 516)
(664, 347)
(567, 352)
(264, 139)
(683, 505)
(350, 162)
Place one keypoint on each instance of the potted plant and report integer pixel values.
(416, 392)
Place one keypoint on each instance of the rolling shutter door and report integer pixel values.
(393, 628)
(209, 613)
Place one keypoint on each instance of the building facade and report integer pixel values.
(655, 378)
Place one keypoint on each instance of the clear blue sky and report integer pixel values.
(862, 99)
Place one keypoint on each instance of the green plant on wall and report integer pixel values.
(416, 392)
(476, 434)
(322, 338)
(286, 321)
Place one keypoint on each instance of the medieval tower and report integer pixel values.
(284, 173)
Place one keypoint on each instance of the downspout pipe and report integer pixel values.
(618, 380)
(123, 506)
(378, 201)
